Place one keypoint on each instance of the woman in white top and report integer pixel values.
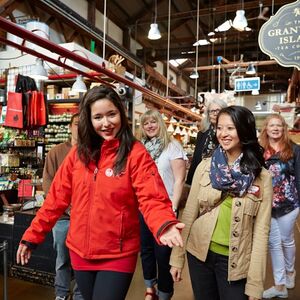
(170, 159)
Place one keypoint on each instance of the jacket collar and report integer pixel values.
(111, 145)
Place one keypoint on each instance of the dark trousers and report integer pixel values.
(209, 279)
(103, 285)
(155, 261)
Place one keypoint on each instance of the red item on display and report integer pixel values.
(14, 114)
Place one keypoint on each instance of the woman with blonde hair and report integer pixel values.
(282, 158)
(170, 159)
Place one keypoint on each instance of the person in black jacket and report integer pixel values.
(206, 138)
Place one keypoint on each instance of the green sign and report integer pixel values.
(279, 37)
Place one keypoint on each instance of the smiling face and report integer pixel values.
(275, 129)
(151, 127)
(105, 118)
(228, 137)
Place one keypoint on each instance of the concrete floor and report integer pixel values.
(23, 290)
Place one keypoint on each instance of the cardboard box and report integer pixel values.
(52, 90)
(65, 92)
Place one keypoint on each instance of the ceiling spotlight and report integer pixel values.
(79, 85)
(194, 74)
(38, 71)
(202, 42)
(240, 21)
(224, 27)
(251, 69)
(154, 33)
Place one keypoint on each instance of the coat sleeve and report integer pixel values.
(49, 170)
(258, 259)
(150, 191)
(56, 202)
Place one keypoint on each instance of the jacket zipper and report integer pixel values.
(121, 234)
(95, 173)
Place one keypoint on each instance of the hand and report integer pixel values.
(176, 274)
(23, 254)
(172, 237)
(253, 298)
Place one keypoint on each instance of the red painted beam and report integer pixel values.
(42, 42)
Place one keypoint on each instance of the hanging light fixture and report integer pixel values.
(173, 120)
(255, 93)
(240, 21)
(164, 117)
(38, 71)
(194, 74)
(177, 130)
(251, 69)
(170, 128)
(154, 33)
(79, 85)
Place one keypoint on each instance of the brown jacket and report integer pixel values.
(250, 224)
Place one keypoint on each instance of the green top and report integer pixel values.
(220, 238)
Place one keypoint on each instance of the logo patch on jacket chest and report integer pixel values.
(109, 172)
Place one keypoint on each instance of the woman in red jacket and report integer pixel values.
(106, 179)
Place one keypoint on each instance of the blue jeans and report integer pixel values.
(63, 268)
(155, 263)
(210, 279)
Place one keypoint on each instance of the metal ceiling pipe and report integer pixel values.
(44, 43)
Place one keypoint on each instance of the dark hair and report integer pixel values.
(89, 142)
(73, 117)
(244, 122)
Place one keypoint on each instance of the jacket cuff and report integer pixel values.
(31, 246)
(164, 227)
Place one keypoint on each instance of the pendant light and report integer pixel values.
(240, 21)
(194, 74)
(170, 128)
(79, 85)
(251, 69)
(38, 71)
(154, 33)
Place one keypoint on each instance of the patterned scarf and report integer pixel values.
(154, 146)
(228, 178)
(211, 142)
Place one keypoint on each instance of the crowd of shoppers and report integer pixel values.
(227, 215)
(110, 185)
(106, 179)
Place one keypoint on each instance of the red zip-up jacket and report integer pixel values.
(104, 208)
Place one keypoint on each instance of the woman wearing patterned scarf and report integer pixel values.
(170, 159)
(227, 215)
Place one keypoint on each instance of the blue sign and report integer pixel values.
(247, 84)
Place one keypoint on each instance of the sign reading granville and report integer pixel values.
(279, 37)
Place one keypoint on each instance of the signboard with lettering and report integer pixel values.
(247, 84)
(279, 37)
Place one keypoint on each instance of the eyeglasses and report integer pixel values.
(214, 111)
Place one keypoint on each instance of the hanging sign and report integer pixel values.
(279, 37)
(247, 84)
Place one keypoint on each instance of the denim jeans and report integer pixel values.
(63, 268)
(155, 263)
(210, 279)
(282, 245)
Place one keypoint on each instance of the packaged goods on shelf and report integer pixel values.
(9, 160)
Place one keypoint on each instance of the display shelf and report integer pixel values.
(62, 101)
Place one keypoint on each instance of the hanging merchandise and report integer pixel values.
(14, 112)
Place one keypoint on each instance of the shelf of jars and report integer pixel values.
(57, 131)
